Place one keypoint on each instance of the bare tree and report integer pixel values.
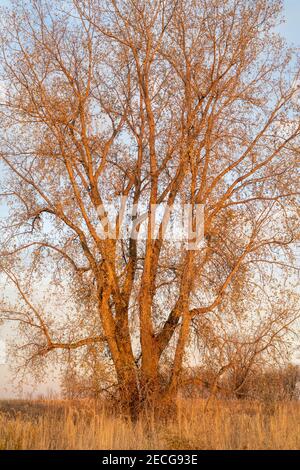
(236, 352)
(87, 377)
(162, 102)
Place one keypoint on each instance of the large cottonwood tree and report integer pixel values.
(188, 101)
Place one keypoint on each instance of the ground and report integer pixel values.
(56, 424)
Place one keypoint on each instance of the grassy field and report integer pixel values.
(225, 425)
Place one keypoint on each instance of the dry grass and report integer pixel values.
(226, 425)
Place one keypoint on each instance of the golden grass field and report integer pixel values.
(54, 424)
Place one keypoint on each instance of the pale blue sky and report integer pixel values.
(291, 30)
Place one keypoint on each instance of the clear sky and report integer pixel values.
(291, 30)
